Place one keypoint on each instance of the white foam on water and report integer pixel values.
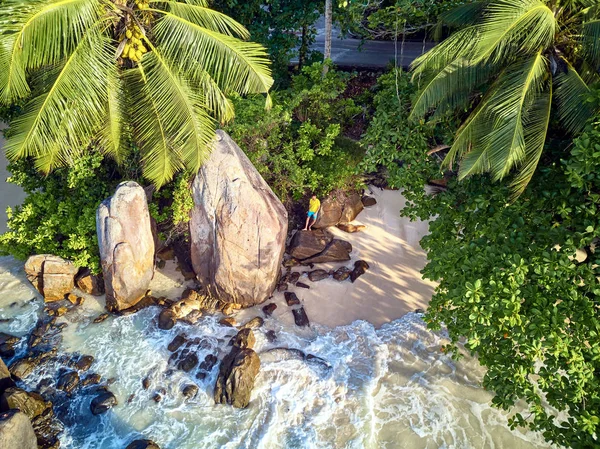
(381, 388)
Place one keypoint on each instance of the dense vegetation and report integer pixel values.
(518, 281)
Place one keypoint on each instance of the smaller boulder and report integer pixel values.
(90, 283)
(244, 339)
(368, 201)
(209, 362)
(305, 244)
(189, 362)
(227, 321)
(68, 381)
(166, 319)
(52, 276)
(269, 309)
(300, 317)
(176, 343)
(350, 228)
(301, 285)
(271, 336)
(190, 391)
(30, 403)
(237, 374)
(336, 251)
(360, 268)
(342, 273)
(84, 362)
(16, 431)
(254, 323)
(291, 299)
(103, 402)
(318, 275)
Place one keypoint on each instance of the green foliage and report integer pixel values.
(512, 63)
(97, 72)
(171, 207)
(398, 145)
(298, 146)
(513, 292)
(59, 214)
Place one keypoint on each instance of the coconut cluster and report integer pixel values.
(134, 47)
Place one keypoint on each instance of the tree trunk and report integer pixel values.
(328, 32)
(303, 52)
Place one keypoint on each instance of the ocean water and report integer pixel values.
(369, 388)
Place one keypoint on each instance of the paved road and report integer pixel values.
(10, 194)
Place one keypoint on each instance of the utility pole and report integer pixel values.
(328, 32)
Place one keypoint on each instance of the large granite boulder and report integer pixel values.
(318, 246)
(16, 431)
(30, 403)
(52, 276)
(238, 227)
(126, 246)
(338, 209)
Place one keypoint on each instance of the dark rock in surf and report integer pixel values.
(5, 378)
(209, 362)
(103, 402)
(271, 336)
(84, 363)
(101, 318)
(300, 317)
(190, 391)
(142, 444)
(254, 323)
(176, 343)
(244, 339)
(269, 309)
(68, 381)
(166, 319)
(291, 299)
(189, 363)
(237, 374)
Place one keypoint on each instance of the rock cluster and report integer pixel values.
(238, 227)
(126, 246)
(338, 209)
(237, 372)
(52, 276)
(319, 246)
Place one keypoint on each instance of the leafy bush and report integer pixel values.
(298, 145)
(512, 290)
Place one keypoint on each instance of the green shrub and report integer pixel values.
(298, 145)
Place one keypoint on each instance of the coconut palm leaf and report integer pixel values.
(81, 79)
(112, 129)
(41, 34)
(570, 92)
(591, 41)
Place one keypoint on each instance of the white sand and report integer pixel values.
(391, 288)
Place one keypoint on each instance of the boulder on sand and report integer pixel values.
(238, 227)
(52, 276)
(318, 247)
(126, 246)
(339, 209)
(90, 283)
(16, 431)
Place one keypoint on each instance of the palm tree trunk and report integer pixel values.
(328, 32)
(303, 51)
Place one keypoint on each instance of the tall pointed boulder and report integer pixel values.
(126, 246)
(238, 227)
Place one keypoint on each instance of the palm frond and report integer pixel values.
(206, 18)
(505, 146)
(570, 92)
(79, 84)
(591, 41)
(233, 64)
(450, 88)
(515, 27)
(464, 15)
(112, 129)
(40, 33)
(536, 129)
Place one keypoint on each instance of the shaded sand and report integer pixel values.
(390, 289)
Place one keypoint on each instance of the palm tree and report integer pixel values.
(522, 59)
(113, 73)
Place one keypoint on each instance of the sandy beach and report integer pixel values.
(390, 289)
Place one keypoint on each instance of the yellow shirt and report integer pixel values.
(314, 205)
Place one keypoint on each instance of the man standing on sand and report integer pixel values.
(313, 209)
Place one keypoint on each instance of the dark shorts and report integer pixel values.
(312, 215)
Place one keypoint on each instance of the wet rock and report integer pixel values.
(254, 323)
(306, 244)
(30, 403)
(47, 428)
(68, 381)
(101, 318)
(142, 444)
(341, 274)
(23, 367)
(146, 383)
(91, 379)
(201, 375)
(237, 374)
(52, 276)
(271, 336)
(300, 317)
(166, 319)
(291, 299)
(5, 378)
(301, 285)
(368, 201)
(131, 398)
(230, 308)
(103, 402)
(209, 362)
(350, 228)
(238, 227)
(126, 246)
(90, 283)
(190, 391)
(360, 268)
(421, 311)
(269, 309)
(157, 397)
(16, 431)
(176, 343)
(84, 362)
(229, 321)
(188, 363)
(336, 251)
(244, 339)
(318, 275)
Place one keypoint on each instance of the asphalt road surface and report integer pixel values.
(10, 194)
